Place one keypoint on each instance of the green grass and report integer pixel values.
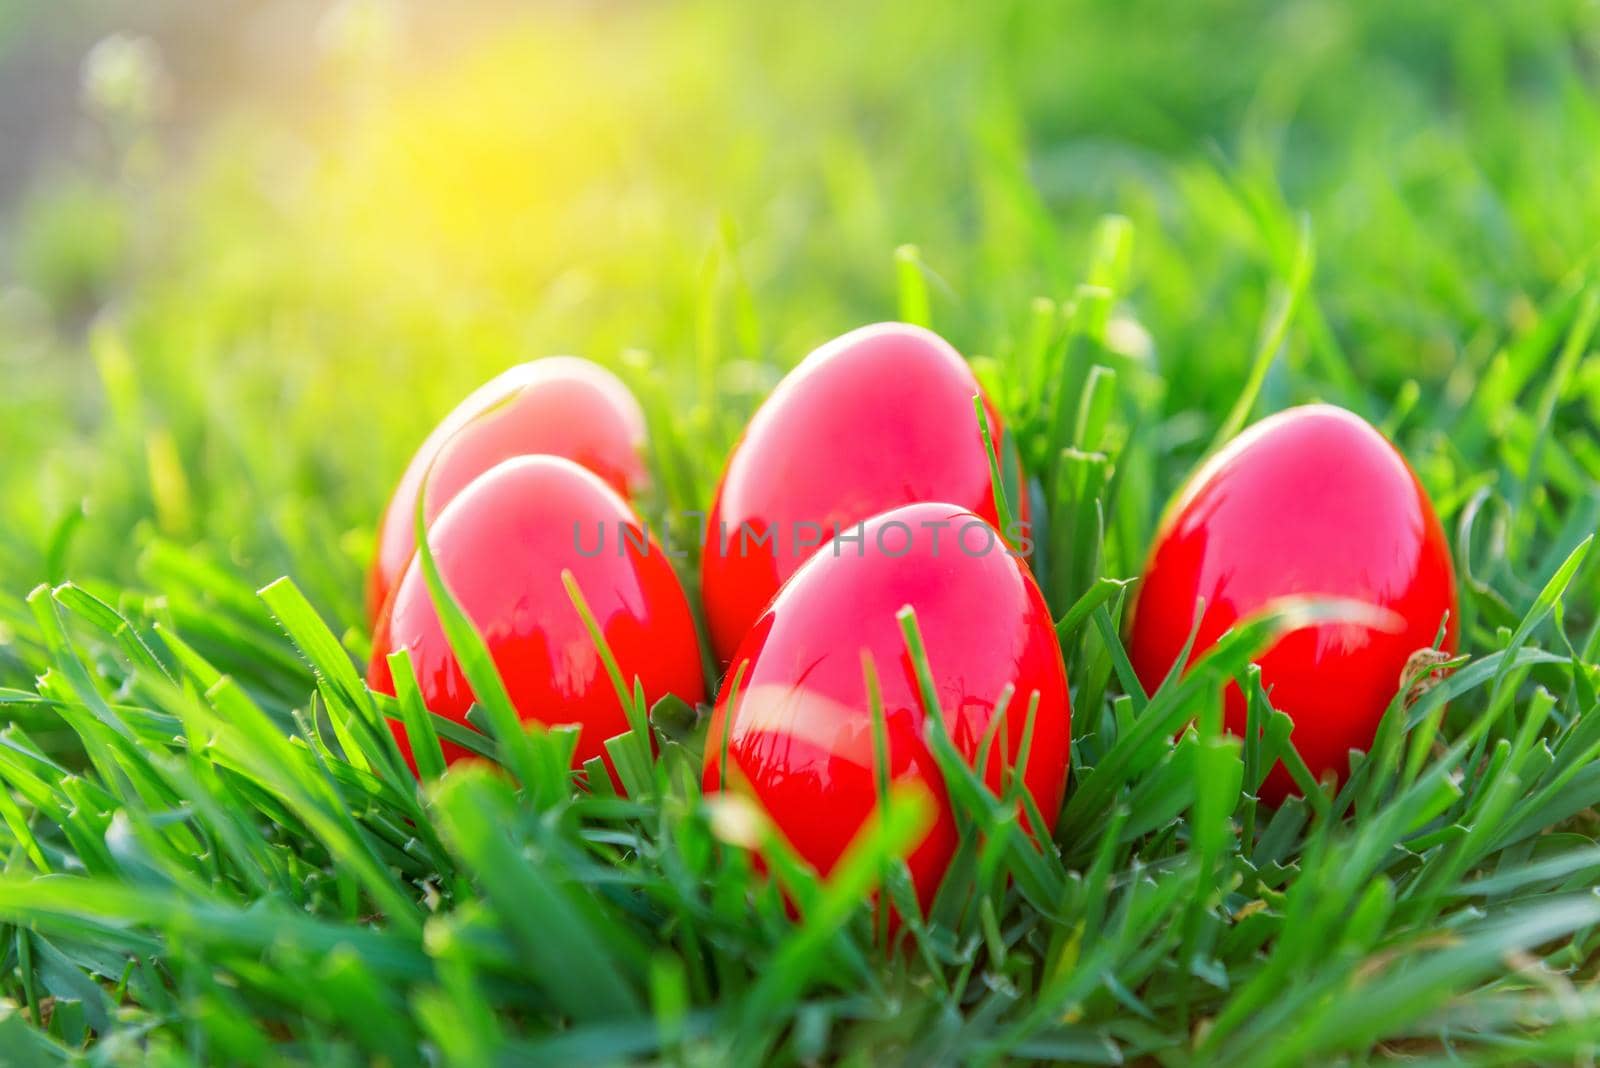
(1147, 223)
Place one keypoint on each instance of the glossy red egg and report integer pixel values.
(558, 406)
(801, 737)
(501, 546)
(1311, 501)
(875, 419)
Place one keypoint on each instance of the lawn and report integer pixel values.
(1144, 223)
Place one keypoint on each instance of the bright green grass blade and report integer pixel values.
(1273, 333)
(510, 733)
(550, 917)
(420, 733)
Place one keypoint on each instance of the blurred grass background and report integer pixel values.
(250, 252)
(267, 248)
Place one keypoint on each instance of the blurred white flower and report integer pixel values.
(360, 33)
(1126, 336)
(125, 81)
(737, 820)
